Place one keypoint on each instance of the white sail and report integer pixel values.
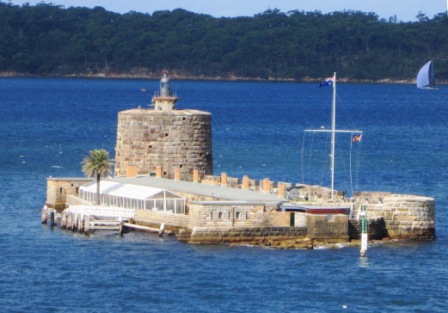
(425, 77)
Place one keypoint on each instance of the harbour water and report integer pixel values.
(49, 125)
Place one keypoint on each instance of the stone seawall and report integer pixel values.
(328, 228)
(405, 216)
(286, 237)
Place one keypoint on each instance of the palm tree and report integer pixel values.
(97, 164)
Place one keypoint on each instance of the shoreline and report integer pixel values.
(156, 76)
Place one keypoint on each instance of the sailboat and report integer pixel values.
(333, 131)
(426, 77)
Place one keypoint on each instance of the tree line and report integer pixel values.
(48, 39)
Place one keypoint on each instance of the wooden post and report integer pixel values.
(63, 219)
(44, 215)
(81, 224)
(52, 222)
(68, 220)
(76, 219)
(162, 230)
(86, 225)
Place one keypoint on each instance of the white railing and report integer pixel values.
(102, 211)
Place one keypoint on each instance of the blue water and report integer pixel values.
(48, 125)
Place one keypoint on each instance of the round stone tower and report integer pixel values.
(164, 139)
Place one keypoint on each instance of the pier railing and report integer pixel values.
(102, 211)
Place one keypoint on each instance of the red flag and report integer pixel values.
(357, 138)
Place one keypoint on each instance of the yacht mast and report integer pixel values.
(333, 134)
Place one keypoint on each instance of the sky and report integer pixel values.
(404, 10)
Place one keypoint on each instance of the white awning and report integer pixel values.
(128, 191)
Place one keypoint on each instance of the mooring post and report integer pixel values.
(52, 218)
(63, 219)
(69, 221)
(162, 229)
(80, 223)
(86, 225)
(75, 222)
(44, 215)
(121, 229)
(364, 234)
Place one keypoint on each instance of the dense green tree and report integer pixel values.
(48, 39)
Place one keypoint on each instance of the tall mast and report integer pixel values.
(333, 134)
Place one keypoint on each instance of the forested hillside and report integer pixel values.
(51, 40)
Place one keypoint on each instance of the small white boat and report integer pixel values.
(426, 77)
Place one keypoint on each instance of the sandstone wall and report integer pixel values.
(171, 139)
(226, 214)
(287, 237)
(151, 218)
(405, 216)
(327, 227)
(59, 188)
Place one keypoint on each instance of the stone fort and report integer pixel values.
(164, 138)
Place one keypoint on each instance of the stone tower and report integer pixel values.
(164, 137)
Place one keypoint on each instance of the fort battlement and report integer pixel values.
(391, 216)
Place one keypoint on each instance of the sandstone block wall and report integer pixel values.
(149, 218)
(405, 216)
(59, 188)
(249, 235)
(327, 227)
(222, 214)
(376, 229)
(172, 139)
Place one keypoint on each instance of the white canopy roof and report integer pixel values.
(128, 191)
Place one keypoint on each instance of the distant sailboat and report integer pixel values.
(426, 77)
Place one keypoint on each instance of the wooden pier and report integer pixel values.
(91, 220)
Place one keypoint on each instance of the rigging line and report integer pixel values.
(301, 158)
(310, 157)
(350, 165)
(358, 163)
(324, 164)
(347, 113)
